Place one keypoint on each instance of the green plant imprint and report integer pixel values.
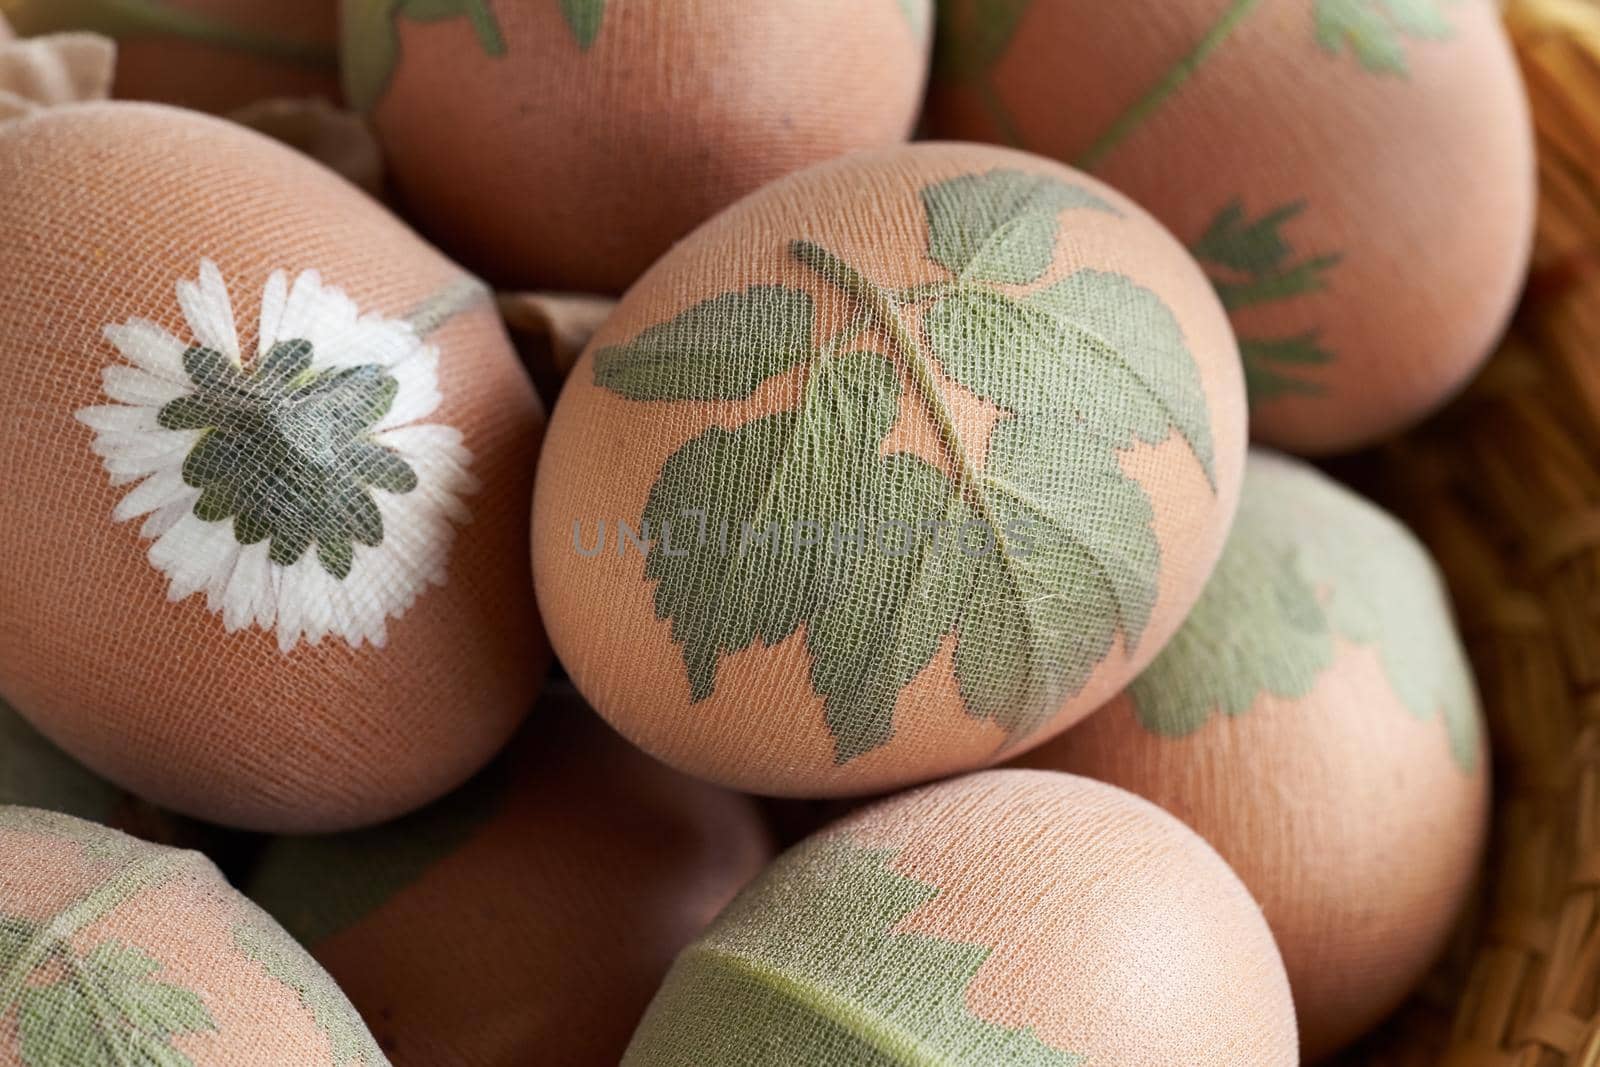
(970, 38)
(372, 38)
(101, 1005)
(289, 965)
(37, 774)
(1375, 30)
(317, 886)
(286, 451)
(1309, 563)
(809, 965)
(584, 17)
(1082, 368)
(916, 13)
(151, 18)
(1251, 263)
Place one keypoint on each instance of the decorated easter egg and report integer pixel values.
(114, 951)
(1355, 176)
(569, 143)
(897, 466)
(1315, 720)
(1008, 917)
(267, 459)
(215, 55)
(565, 878)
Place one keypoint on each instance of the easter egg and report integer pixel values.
(569, 143)
(1355, 176)
(564, 878)
(267, 459)
(1315, 720)
(1008, 917)
(114, 951)
(214, 55)
(895, 467)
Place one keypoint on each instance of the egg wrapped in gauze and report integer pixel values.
(564, 878)
(1316, 721)
(114, 951)
(895, 467)
(569, 143)
(1356, 176)
(214, 55)
(267, 459)
(1008, 917)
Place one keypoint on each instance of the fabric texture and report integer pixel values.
(895, 468)
(562, 880)
(1315, 720)
(213, 55)
(1004, 918)
(269, 458)
(1298, 148)
(601, 131)
(114, 951)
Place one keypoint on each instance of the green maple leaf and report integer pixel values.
(584, 17)
(291, 966)
(1373, 29)
(1252, 263)
(1309, 561)
(1084, 368)
(105, 1007)
(371, 39)
(807, 966)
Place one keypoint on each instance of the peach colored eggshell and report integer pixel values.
(555, 166)
(104, 209)
(186, 923)
(1422, 184)
(763, 729)
(567, 906)
(1344, 814)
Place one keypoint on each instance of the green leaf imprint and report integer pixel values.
(584, 17)
(807, 966)
(287, 452)
(1252, 263)
(1036, 555)
(916, 14)
(371, 39)
(1309, 561)
(1373, 29)
(969, 39)
(291, 966)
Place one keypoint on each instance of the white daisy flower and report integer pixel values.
(300, 490)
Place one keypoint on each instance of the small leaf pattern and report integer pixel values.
(1083, 367)
(1375, 30)
(1250, 263)
(785, 962)
(584, 17)
(1309, 563)
(372, 39)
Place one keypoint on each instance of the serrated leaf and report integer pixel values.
(584, 18)
(1270, 367)
(720, 349)
(1000, 226)
(371, 39)
(107, 1007)
(1083, 369)
(782, 969)
(291, 966)
(1374, 29)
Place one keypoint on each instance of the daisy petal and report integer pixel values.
(154, 493)
(149, 347)
(119, 418)
(209, 310)
(133, 386)
(273, 300)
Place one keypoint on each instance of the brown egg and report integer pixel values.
(1355, 177)
(1315, 720)
(1005, 917)
(569, 143)
(267, 460)
(563, 879)
(116, 951)
(902, 464)
(214, 55)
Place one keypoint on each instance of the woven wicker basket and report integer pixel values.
(1505, 488)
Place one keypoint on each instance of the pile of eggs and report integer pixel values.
(968, 474)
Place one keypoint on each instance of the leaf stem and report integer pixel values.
(104, 899)
(446, 304)
(1152, 100)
